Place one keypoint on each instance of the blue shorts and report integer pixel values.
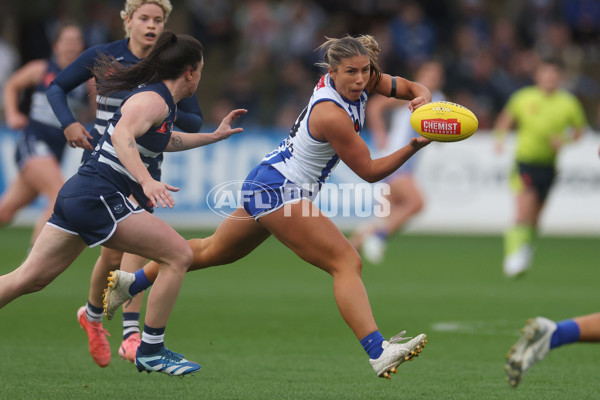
(90, 207)
(39, 140)
(87, 154)
(266, 190)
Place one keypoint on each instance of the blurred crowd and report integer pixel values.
(260, 54)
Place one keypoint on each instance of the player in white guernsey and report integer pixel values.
(41, 144)
(405, 198)
(326, 132)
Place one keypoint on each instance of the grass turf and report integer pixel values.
(267, 327)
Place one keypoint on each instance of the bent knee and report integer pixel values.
(182, 256)
(350, 262)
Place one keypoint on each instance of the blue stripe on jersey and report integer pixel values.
(329, 168)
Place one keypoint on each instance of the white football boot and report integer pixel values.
(373, 249)
(395, 353)
(117, 292)
(532, 346)
(518, 262)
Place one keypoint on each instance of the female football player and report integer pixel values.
(144, 21)
(41, 145)
(92, 207)
(281, 186)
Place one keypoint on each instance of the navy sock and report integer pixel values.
(131, 324)
(140, 284)
(372, 344)
(93, 313)
(153, 340)
(566, 332)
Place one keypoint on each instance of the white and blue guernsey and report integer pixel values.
(301, 164)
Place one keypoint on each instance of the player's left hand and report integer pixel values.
(416, 103)
(225, 130)
(419, 142)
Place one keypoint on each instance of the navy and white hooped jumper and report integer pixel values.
(95, 200)
(301, 164)
(189, 117)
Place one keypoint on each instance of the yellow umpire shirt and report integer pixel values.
(539, 118)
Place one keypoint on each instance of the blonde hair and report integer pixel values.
(348, 46)
(132, 6)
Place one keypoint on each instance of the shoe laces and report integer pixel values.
(172, 356)
(98, 328)
(399, 338)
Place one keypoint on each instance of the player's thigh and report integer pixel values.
(44, 175)
(149, 236)
(312, 236)
(53, 251)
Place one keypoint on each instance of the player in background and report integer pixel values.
(279, 193)
(144, 21)
(41, 144)
(540, 335)
(405, 198)
(93, 208)
(547, 117)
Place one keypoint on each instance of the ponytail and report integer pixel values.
(170, 58)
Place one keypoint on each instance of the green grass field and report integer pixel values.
(267, 327)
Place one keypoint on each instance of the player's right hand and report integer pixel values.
(158, 193)
(78, 136)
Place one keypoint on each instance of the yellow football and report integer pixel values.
(444, 121)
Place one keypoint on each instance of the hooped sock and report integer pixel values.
(153, 340)
(566, 332)
(93, 313)
(131, 324)
(372, 344)
(140, 284)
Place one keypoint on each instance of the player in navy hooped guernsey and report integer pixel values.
(93, 206)
(144, 21)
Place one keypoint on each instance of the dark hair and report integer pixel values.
(60, 28)
(171, 56)
(553, 61)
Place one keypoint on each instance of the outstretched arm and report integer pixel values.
(183, 141)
